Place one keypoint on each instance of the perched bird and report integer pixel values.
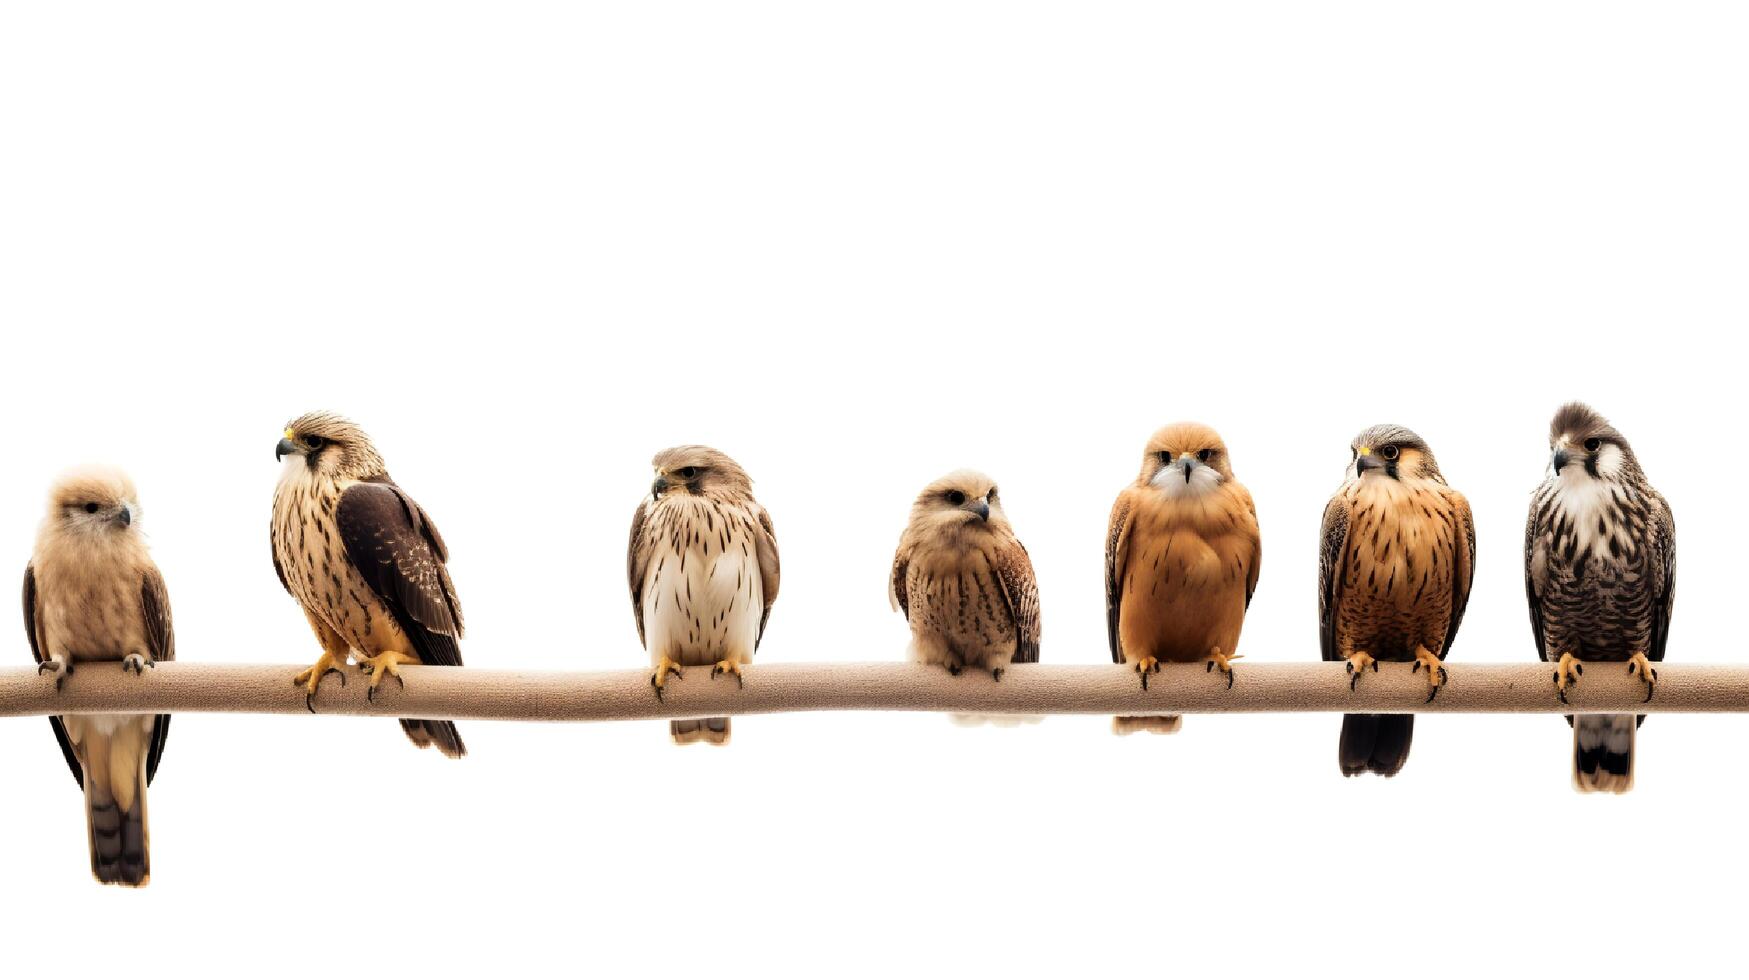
(702, 565)
(1393, 579)
(366, 564)
(92, 594)
(964, 581)
(1600, 572)
(1181, 560)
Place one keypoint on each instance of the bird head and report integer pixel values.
(699, 471)
(93, 501)
(1583, 446)
(961, 500)
(1391, 452)
(1185, 459)
(322, 443)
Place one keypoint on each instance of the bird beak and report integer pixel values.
(1561, 459)
(125, 518)
(1190, 464)
(657, 487)
(285, 448)
(982, 509)
(1367, 461)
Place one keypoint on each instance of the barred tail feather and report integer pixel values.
(1603, 753)
(118, 839)
(712, 731)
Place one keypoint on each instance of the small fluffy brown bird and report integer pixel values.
(1399, 552)
(703, 570)
(964, 581)
(365, 562)
(93, 595)
(1181, 559)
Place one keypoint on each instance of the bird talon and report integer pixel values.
(728, 667)
(664, 667)
(1358, 662)
(1648, 674)
(1567, 672)
(1146, 666)
(996, 674)
(1436, 673)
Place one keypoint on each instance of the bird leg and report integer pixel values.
(1358, 662)
(1223, 661)
(137, 663)
(1648, 673)
(727, 667)
(1568, 670)
(1435, 671)
(57, 664)
(1146, 665)
(664, 667)
(384, 664)
(311, 679)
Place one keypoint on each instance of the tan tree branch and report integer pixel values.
(469, 693)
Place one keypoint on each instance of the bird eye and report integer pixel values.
(955, 497)
(1593, 444)
(687, 472)
(316, 442)
(1166, 457)
(90, 508)
(1204, 454)
(1388, 452)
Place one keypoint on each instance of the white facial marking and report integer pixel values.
(1170, 480)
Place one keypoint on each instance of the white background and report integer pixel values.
(526, 246)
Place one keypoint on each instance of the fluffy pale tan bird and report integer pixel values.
(1399, 551)
(963, 579)
(703, 570)
(1181, 560)
(366, 564)
(92, 594)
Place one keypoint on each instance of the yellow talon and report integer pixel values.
(385, 664)
(1568, 670)
(1147, 665)
(1435, 671)
(311, 679)
(729, 667)
(1223, 661)
(1358, 662)
(1647, 672)
(664, 667)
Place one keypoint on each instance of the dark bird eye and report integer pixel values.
(1593, 444)
(90, 508)
(1204, 454)
(955, 497)
(1389, 452)
(1166, 457)
(687, 472)
(316, 442)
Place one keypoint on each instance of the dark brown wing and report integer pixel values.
(161, 644)
(896, 588)
(1531, 531)
(1020, 586)
(766, 540)
(1117, 550)
(1330, 564)
(1463, 569)
(1664, 559)
(637, 563)
(394, 546)
(36, 654)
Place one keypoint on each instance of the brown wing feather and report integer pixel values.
(161, 644)
(394, 546)
(637, 562)
(1014, 573)
(1330, 559)
(1463, 572)
(1253, 563)
(36, 654)
(1117, 550)
(769, 570)
(896, 588)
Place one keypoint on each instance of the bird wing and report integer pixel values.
(896, 588)
(1117, 552)
(637, 561)
(30, 603)
(1664, 577)
(1331, 559)
(1463, 571)
(765, 542)
(394, 546)
(161, 644)
(1253, 564)
(1532, 530)
(1014, 573)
